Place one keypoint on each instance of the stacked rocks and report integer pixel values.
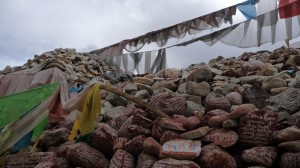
(233, 112)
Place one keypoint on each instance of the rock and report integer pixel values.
(172, 124)
(168, 135)
(143, 80)
(256, 79)
(200, 75)
(213, 156)
(273, 82)
(157, 130)
(222, 137)
(145, 160)
(117, 123)
(294, 119)
(169, 73)
(181, 149)
(230, 124)
(142, 94)
(151, 146)
(276, 91)
(199, 114)
(142, 121)
(197, 89)
(135, 146)
(288, 100)
(293, 60)
(115, 112)
(103, 139)
(192, 107)
(288, 134)
(122, 159)
(24, 160)
(191, 122)
(234, 98)
(256, 128)
(116, 100)
(119, 143)
(173, 163)
(63, 163)
(194, 99)
(290, 146)
(217, 103)
(290, 160)
(212, 113)
(241, 110)
(196, 133)
(164, 84)
(129, 88)
(217, 121)
(169, 103)
(93, 158)
(182, 89)
(263, 156)
(54, 137)
(256, 95)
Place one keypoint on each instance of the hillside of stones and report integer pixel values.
(234, 112)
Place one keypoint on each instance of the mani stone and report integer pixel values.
(217, 103)
(223, 137)
(263, 156)
(145, 160)
(173, 163)
(290, 160)
(181, 149)
(213, 156)
(287, 134)
(256, 95)
(122, 159)
(256, 128)
(288, 100)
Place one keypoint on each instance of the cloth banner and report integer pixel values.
(248, 9)
(289, 8)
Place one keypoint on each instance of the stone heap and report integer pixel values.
(233, 112)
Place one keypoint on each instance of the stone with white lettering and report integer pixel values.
(263, 156)
(223, 137)
(256, 128)
(181, 149)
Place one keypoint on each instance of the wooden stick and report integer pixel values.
(135, 100)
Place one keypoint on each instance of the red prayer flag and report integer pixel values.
(289, 8)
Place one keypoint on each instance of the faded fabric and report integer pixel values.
(248, 9)
(289, 8)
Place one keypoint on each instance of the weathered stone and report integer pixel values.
(273, 82)
(234, 98)
(182, 89)
(241, 110)
(199, 114)
(290, 146)
(200, 75)
(135, 146)
(212, 113)
(122, 159)
(253, 79)
(263, 156)
(230, 124)
(164, 84)
(143, 80)
(169, 73)
(169, 103)
(181, 149)
(191, 122)
(54, 137)
(117, 123)
(114, 112)
(196, 133)
(256, 128)
(142, 121)
(222, 137)
(157, 130)
(142, 94)
(295, 119)
(288, 100)
(288, 134)
(145, 160)
(119, 143)
(212, 156)
(116, 100)
(290, 160)
(130, 87)
(276, 91)
(256, 95)
(217, 121)
(197, 89)
(173, 163)
(151, 146)
(193, 98)
(93, 158)
(168, 135)
(172, 124)
(103, 139)
(192, 107)
(217, 103)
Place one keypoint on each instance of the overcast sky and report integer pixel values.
(30, 27)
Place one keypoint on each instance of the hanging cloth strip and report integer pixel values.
(161, 37)
(289, 8)
(248, 9)
(141, 63)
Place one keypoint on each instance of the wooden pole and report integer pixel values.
(135, 100)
